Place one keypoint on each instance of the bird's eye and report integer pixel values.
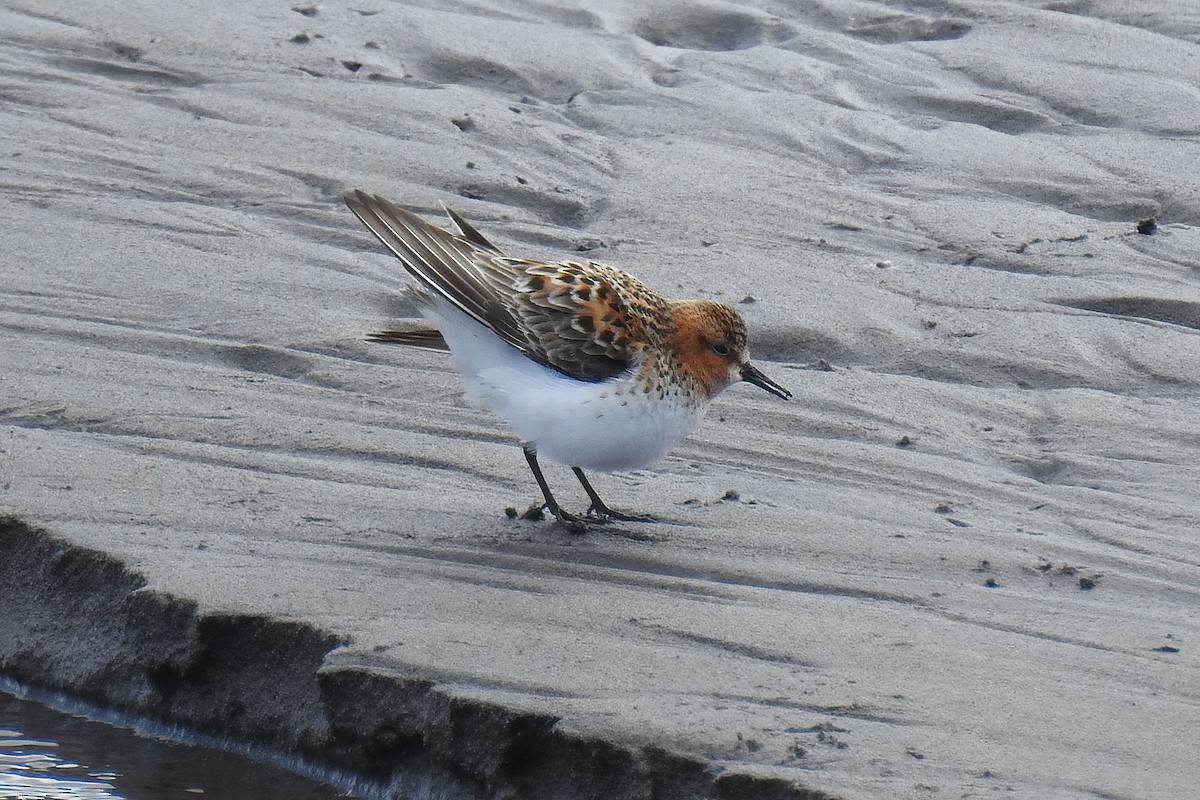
(720, 348)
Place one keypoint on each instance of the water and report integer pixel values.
(48, 754)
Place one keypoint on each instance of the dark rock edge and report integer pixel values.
(76, 620)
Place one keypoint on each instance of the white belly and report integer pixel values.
(596, 428)
(601, 426)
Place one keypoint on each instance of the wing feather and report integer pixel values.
(442, 263)
(468, 232)
(583, 319)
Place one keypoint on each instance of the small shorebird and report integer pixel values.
(589, 367)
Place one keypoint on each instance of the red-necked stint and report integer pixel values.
(589, 367)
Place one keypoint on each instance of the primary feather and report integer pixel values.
(572, 317)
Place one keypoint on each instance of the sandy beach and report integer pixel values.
(962, 562)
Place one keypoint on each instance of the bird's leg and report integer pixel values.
(602, 512)
(569, 521)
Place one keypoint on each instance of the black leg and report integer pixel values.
(569, 521)
(602, 512)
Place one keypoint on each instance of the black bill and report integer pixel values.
(750, 374)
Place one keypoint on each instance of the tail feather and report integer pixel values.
(426, 338)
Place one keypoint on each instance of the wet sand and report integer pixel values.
(962, 561)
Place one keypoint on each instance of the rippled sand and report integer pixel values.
(963, 561)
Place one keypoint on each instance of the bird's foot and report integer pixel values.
(603, 515)
(569, 521)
